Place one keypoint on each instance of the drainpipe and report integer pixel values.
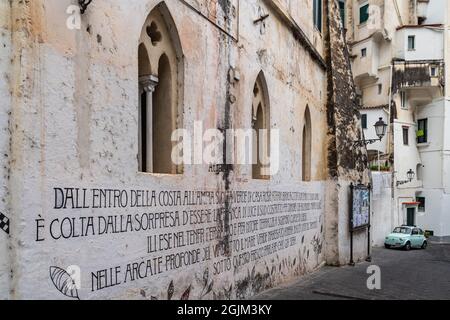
(446, 49)
(416, 18)
(446, 101)
(388, 143)
(399, 15)
(390, 128)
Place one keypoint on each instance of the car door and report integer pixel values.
(415, 238)
(421, 237)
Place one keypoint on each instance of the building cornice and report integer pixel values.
(418, 26)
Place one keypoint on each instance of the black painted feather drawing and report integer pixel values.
(64, 282)
(170, 291)
(186, 294)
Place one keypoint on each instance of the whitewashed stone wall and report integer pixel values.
(5, 109)
(382, 207)
(164, 250)
(74, 132)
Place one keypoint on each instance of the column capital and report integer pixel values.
(148, 83)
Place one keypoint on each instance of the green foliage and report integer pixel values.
(382, 168)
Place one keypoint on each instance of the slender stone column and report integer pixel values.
(148, 85)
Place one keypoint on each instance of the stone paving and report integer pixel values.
(413, 275)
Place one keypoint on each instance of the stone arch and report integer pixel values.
(261, 125)
(306, 146)
(143, 61)
(161, 83)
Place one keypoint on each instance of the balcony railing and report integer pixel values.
(418, 74)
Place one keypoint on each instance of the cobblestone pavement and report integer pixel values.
(413, 275)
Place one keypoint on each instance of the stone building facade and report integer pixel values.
(95, 203)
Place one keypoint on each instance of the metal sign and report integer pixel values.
(360, 211)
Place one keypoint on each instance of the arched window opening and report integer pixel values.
(419, 170)
(261, 127)
(306, 147)
(162, 119)
(146, 85)
(160, 64)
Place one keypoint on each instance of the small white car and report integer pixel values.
(406, 237)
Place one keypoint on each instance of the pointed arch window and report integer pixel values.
(306, 146)
(261, 127)
(160, 64)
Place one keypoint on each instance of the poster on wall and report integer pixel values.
(359, 218)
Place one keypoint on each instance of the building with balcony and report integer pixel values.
(399, 61)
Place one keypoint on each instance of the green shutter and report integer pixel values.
(364, 121)
(363, 14)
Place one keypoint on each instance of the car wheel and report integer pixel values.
(387, 246)
(424, 245)
(408, 246)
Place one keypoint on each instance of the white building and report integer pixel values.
(399, 64)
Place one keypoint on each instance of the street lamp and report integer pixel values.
(410, 174)
(380, 130)
(83, 5)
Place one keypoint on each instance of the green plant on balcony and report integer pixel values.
(381, 168)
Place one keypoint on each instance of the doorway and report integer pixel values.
(410, 216)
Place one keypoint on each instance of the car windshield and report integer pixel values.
(402, 230)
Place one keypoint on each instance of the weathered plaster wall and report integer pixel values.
(382, 207)
(346, 164)
(303, 15)
(75, 126)
(5, 109)
(423, 51)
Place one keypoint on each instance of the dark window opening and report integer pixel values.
(422, 131)
(144, 129)
(406, 136)
(364, 121)
(342, 11)
(411, 43)
(363, 52)
(403, 100)
(433, 71)
(421, 201)
(317, 14)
